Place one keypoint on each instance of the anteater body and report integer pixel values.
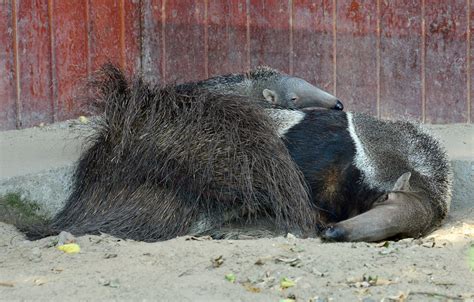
(165, 162)
(370, 179)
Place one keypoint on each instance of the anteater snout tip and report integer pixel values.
(338, 106)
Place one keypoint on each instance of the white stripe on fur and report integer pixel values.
(285, 119)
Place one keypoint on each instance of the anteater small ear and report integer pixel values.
(270, 96)
(403, 183)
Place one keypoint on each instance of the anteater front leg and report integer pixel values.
(403, 214)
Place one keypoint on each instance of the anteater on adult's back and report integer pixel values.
(269, 88)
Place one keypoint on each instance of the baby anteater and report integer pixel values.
(269, 87)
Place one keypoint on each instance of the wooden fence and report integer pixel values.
(393, 59)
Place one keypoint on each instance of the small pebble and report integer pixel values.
(65, 238)
(35, 255)
(110, 255)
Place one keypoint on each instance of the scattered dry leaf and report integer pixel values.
(429, 244)
(296, 262)
(39, 281)
(286, 283)
(7, 284)
(83, 119)
(199, 238)
(401, 297)
(57, 270)
(110, 255)
(110, 283)
(70, 248)
(217, 262)
(297, 249)
(251, 288)
(367, 281)
(383, 244)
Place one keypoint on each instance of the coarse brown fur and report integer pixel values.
(163, 163)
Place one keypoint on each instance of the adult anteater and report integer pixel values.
(166, 162)
(371, 179)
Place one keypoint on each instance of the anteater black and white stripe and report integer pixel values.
(373, 179)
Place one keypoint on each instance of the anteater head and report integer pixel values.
(285, 91)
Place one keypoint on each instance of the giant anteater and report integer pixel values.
(165, 162)
(370, 179)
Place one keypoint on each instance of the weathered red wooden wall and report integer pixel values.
(404, 58)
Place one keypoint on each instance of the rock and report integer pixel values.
(110, 283)
(110, 255)
(65, 238)
(35, 255)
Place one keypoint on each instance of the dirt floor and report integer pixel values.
(184, 269)
(439, 267)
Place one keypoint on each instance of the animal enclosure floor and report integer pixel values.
(433, 269)
(436, 268)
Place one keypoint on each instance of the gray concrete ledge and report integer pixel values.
(38, 162)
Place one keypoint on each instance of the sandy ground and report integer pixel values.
(436, 268)
(433, 269)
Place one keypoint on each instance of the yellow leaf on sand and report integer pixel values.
(285, 283)
(83, 119)
(70, 248)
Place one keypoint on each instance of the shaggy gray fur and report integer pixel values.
(163, 164)
(267, 87)
(388, 149)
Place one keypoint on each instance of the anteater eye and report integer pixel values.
(294, 98)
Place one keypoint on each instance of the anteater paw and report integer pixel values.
(334, 233)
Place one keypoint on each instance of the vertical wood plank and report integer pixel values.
(70, 51)
(131, 26)
(313, 42)
(7, 73)
(446, 62)
(400, 73)
(35, 63)
(105, 33)
(227, 30)
(184, 41)
(151, 52)
(471, 60)
(356, 83)
(270, 34)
